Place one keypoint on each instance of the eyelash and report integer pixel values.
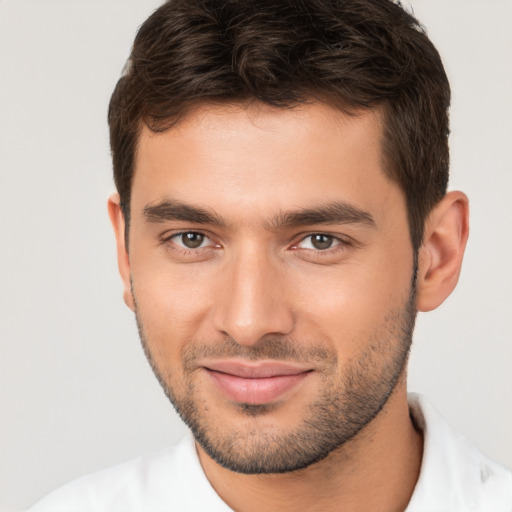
(340, 243)
(168, 240)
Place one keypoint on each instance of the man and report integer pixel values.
(281, 217)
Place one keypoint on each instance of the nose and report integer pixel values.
(253, 302)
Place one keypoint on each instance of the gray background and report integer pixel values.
(76, 392)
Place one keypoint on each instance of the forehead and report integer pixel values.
(260, 159)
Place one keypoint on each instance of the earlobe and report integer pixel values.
(123, 261)
(442, 251)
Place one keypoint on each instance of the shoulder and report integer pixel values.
(454, 474)
(168, 480)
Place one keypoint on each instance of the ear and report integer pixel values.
(123, 260)
(440, 256)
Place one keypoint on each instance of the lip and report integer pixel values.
(262, 382)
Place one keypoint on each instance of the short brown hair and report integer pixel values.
(352, 54)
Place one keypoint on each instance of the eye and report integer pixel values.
(319, 242)
(190, 240)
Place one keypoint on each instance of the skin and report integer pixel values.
(251, 281)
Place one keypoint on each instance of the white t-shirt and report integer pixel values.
(454, 477)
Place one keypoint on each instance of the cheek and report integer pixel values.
(172, 302)
(349, 306)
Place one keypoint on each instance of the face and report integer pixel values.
(271, 274)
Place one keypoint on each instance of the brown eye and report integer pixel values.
(192, 240)
(321, 242)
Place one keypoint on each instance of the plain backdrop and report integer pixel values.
(77, 394)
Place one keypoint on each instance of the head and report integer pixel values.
(281, 169)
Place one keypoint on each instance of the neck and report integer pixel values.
(376, 470)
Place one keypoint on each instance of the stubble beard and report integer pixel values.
(350, 400)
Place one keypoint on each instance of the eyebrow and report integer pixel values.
(166, 211)
(338, 212)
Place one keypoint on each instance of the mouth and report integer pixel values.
(257, 383)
